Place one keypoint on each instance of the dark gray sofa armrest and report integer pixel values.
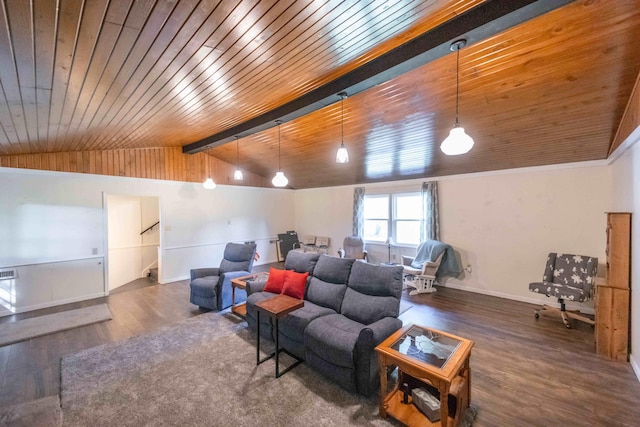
(204, 272)
(382, 329)
(367, 369)
(256, 285)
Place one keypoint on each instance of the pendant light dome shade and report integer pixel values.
(209, 184)
(279, 180)
(458, 142)
(342, 156)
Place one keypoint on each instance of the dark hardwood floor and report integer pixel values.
(525, 372)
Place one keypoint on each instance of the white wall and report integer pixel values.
(503, 224)
(49, 217)
(626, 198)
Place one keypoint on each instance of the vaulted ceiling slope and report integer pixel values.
(89, 75)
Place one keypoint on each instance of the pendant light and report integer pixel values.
(279, 180)
(342, 156)
(237, 175)
(458, 142)
(209, 184)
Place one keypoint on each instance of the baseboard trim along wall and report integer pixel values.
(550, 302)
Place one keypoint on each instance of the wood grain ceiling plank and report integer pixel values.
(10, 139)
(207, 69)
(66, 34)
(179, 68)
(104, 47)
(314, 59)
(294, 38)
(255, 76)
(89, 30)
(163, 23)
(114, 41)
(45, 20)
(121, 52)
(182, 47)
(224, 124)
(9, 76)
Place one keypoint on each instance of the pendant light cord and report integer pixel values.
(342, 120)
(237, 154)
(279, 145)
(457, 80)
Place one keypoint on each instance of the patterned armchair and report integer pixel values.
(567, 277)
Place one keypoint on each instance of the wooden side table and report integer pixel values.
(277, 307)
(427, 356)
(241, 283)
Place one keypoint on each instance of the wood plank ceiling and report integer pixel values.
(80, 76)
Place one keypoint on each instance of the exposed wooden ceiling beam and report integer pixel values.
(485, 20)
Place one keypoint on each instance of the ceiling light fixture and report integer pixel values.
(209, 184)
(279, 180)
(458, 142)
(342, 156)
(237, 175)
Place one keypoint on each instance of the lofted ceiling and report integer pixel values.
(86, 75)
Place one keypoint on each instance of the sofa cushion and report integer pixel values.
(275, 282)
(294, 284)
(204, 286)
(329, 282)
(373, 293)
(294, 324)
(333, 338)
(367, 309)
(332, 269)
(301, 262)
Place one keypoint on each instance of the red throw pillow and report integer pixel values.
(294, 284)
(275, 281)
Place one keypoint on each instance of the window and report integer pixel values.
(395, 215)
(407, 218)
(376, 218)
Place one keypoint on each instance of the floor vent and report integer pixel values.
(7, 274)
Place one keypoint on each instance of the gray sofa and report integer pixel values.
(350, 307)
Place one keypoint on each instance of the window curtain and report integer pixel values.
(430, 222)
(358, 211)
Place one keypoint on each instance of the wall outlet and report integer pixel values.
(393, 257)
(468, 269)
(94, 251)
(167, 228)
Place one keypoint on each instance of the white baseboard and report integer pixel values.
(635, 365)
(174, 279)
(531, 300)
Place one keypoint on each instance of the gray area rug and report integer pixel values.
(201, 372)
(43, 325)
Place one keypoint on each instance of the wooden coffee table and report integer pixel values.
(241, 283)
(425, 356)
(277, 307)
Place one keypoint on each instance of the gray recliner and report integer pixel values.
(211, 287)
(353, 247)
(568, 278)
